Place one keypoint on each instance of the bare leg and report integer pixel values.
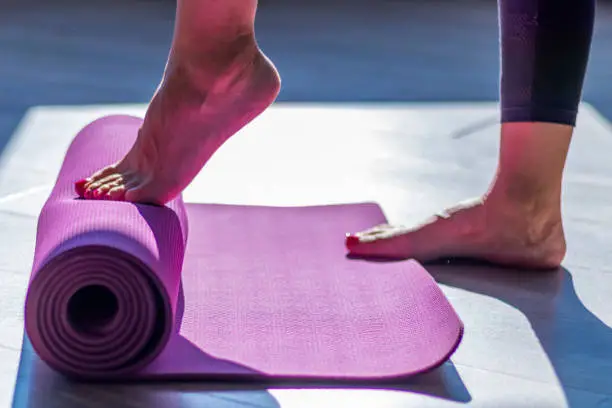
(215, 82)
(518, 221)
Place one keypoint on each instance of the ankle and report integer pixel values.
(534, 225)
(525, 195)
(201, 68)
(532, 218)
(215, 51)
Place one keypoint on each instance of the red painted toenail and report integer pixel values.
(97, 194)
(79, 187)
(352, 240)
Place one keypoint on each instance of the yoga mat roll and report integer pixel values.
(124, 291)
(104, 286)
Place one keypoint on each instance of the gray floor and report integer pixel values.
(542, 340)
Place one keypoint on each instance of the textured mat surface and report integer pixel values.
(132, 291)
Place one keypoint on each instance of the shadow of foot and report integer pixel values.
(577, 343)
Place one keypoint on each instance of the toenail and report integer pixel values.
(351, 240)
(79, 187)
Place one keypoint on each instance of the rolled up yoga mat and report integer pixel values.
(193, 291)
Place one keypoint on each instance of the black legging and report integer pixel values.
(545, 47)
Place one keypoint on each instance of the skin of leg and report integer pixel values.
(518, 220)
(216, 81)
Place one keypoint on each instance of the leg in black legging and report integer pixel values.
(545, 47)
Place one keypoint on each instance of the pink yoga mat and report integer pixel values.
(193, 291)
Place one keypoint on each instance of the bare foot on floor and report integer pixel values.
(495, 231)
(194, 111)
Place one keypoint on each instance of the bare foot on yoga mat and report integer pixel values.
(517, 223)
(481, 229)
(197, 107)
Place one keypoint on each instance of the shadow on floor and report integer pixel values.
(577, 343)
(40, 387)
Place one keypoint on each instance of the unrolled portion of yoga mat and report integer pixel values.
(123, 291)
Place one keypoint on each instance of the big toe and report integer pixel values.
(384, 241)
